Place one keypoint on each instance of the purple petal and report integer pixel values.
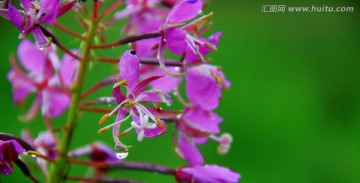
(175, 40)
(149, 133)
(167, 83)
(9, 151)
(202, 89)
(130, 68)
(190, 153)
(16, 17)
(31, 58)
(100, 152)
(184, 10)
(142, 84)
(164, 114)
(26, 4)
(205, 121)
(116, 128)
(21, 86)
(41, 39)
(144, 47)
(206, 173)
(55, 102)
(65, 8)
(154, 96)
(119, 96)
(48, 11)
(45, 140)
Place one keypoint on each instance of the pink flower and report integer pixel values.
(44, 144)
(131, 104)
(35, 14)
(204, 84)
(206, 174)
(39, 79)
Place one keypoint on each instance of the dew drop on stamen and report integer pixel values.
(121, 153)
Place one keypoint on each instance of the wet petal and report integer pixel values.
(116, 128)
(31, 58)
(175, 40)
(184, 10)
(129, 67)
(190, 153)
(167, 83)
(41, 40)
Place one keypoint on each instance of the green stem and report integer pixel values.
(58, 170)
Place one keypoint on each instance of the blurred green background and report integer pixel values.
(293, 108)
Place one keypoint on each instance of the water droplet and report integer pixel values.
(82, 1)
(120, 152)
(33, 156)
(40, 46)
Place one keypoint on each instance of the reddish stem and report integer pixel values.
(111, 8)
(50, 128)
(68, 31)
(98, 110)
(68, 52)
(148, 167)
(102, 83)
(89, 163)
(96, 5)
(128, 39)
(147, 61)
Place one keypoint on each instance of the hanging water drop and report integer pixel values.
(120, 152)
(40, 46)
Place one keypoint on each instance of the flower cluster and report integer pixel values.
(148, 82)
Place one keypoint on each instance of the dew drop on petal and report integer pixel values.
(120, 152)
(40, 46)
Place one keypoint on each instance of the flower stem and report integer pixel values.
(58, 170)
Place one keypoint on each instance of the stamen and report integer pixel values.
(159, 123)
(102, 130)
(35, 6)
(120, 82)
(199, 20)
(125, 132)
(211, 46)
(117, 107)
(103, 119)
(111, 125)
